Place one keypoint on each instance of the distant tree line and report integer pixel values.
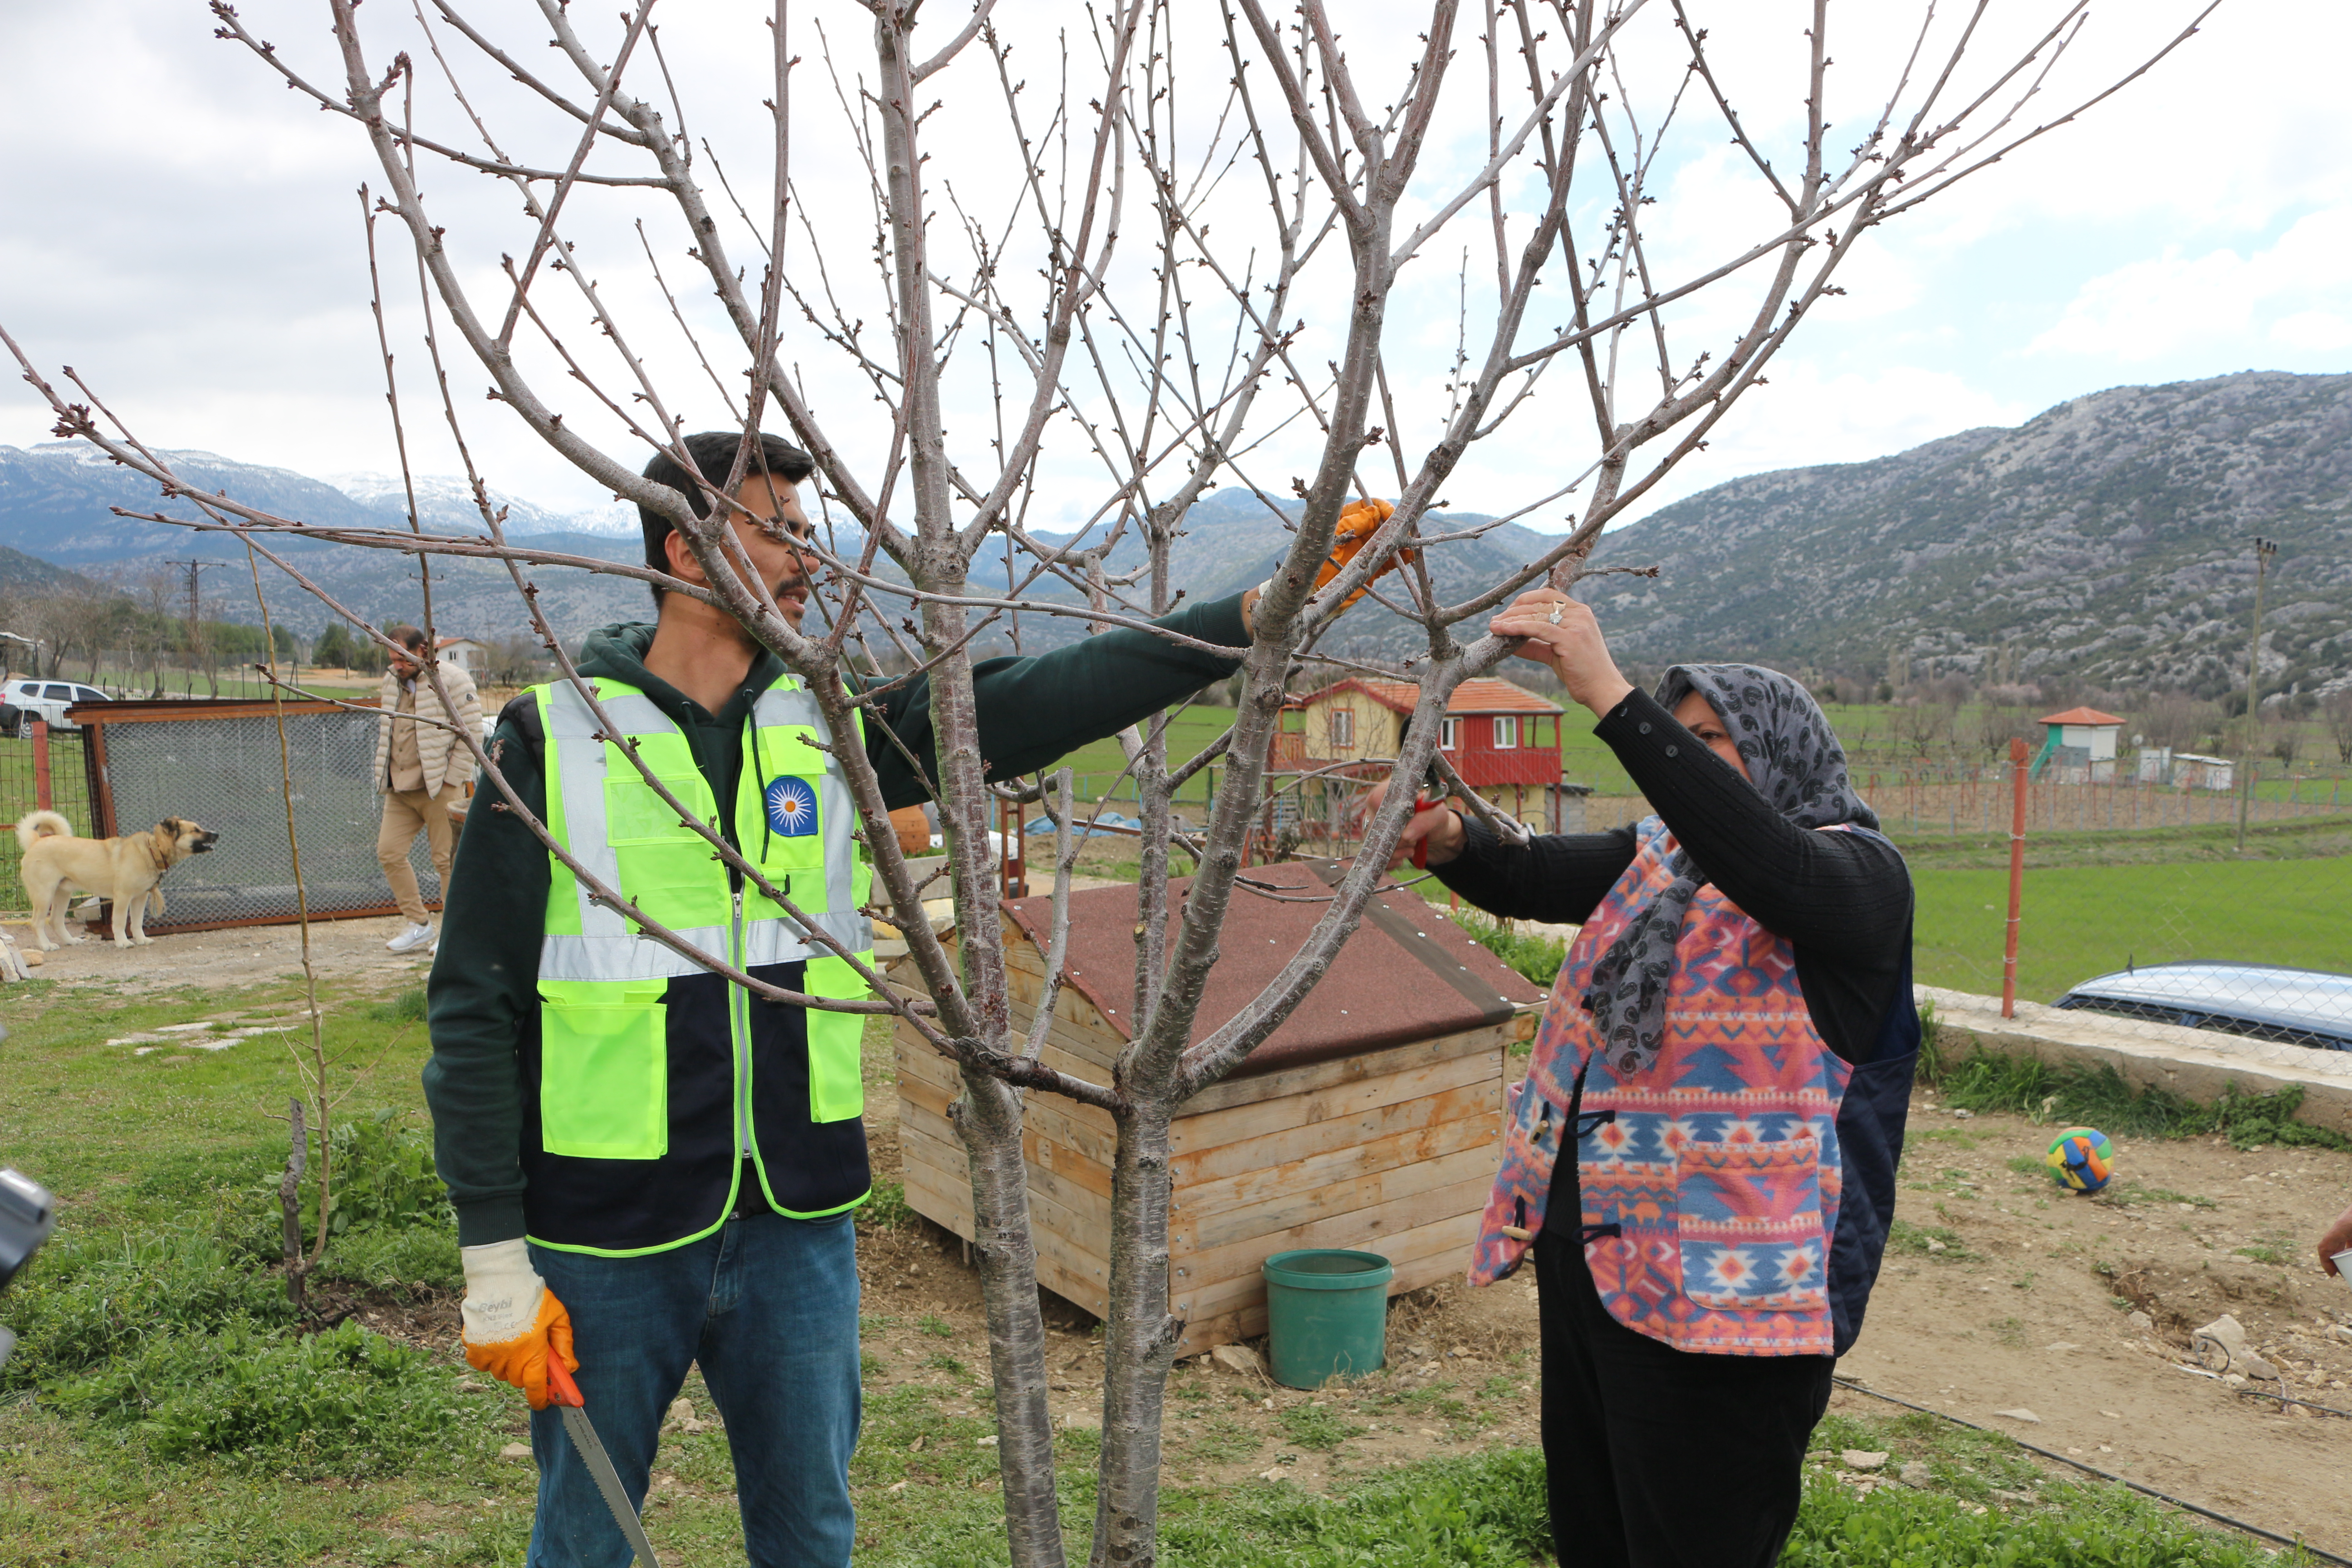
(128, 635)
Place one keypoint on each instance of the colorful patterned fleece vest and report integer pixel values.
(1713, 1181)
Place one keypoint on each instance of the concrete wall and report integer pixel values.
(2195, 1064)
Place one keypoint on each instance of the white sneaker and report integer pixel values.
(412, 939)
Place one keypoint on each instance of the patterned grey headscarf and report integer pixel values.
(1795, 763)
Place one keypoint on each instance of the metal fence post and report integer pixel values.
(2016, 878)
(42, 796)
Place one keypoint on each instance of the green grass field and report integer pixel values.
(2081, 921)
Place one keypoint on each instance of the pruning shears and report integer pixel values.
(564, 1395)
(1431, 792)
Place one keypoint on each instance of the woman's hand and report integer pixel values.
(1438, 827)
(2338, 1237)
(1562, 634)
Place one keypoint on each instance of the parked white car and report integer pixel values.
(22, 701)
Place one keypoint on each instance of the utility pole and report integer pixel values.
(195, 618)
(2264, 550)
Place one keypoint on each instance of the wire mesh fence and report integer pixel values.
(219, 765)
(33, 774)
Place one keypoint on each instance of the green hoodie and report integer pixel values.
(484, 991)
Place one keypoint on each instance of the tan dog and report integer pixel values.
(124, 870)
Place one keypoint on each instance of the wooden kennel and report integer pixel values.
(1370, 1120)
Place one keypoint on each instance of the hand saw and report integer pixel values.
(564, 1395)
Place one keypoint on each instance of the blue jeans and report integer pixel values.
(768, 1307)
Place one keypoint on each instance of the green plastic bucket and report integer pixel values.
(1326, 1314)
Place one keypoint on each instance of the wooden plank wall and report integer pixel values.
(1392, 1152)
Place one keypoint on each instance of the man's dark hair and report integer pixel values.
(713, 452)
(411, 637)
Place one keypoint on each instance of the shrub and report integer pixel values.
(383, 1177)
(344, 1403)
(85, 1301)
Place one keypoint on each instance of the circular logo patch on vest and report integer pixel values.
(791, 806)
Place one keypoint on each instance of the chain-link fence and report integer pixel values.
(218, 765)
(33, 774)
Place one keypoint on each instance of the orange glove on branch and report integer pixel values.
(513, 1322)
(1357, 523)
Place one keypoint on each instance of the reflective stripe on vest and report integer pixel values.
(603, 1028)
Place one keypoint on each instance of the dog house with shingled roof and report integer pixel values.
(1371, 1119)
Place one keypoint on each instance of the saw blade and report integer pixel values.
(600, 1469)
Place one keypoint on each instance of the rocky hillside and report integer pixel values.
(2108, 540)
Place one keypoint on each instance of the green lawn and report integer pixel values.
(2081, 921)
(1097, 766)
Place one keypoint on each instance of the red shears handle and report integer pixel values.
(1421, 802)
(561, 1389)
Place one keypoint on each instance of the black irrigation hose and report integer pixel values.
(2284, 1399)
(2312, 1552)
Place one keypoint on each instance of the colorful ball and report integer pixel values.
(2080, 1159)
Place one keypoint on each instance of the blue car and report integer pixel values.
(2261, 1000)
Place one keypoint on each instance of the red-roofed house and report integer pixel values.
(2080, 743)
(1502, 739)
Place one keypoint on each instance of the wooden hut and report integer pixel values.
(1371, 1119)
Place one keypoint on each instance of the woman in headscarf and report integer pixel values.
(1702, 1157)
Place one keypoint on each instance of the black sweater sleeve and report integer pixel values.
(1035, 710)
(1841, 899)
(1558, 879)
(484, 990)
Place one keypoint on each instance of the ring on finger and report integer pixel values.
(1556, 606)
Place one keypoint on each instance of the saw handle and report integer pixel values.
(561, 1389)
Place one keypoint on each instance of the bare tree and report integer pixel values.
(1043, 276)
(2336, 711)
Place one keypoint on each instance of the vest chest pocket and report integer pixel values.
(782, 793)
(665, 865)
(603, 1070)
(1748, 1225)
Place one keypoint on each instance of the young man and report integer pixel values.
(421, 771)
(650, 1167)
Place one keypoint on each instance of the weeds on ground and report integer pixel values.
(887, 1209)
(1537, 957)
(1316, 1427)
(1925, 1241)
(407, 1008)
(344, 1403)
(2098, 1096)
(93, 1298)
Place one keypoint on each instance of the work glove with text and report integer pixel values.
(1357, 523)
(513, 1322)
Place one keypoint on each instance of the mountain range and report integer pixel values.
(2107, 541)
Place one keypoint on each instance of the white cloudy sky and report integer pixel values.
(185, 232)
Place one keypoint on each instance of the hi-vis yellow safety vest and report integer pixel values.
(654, 1086)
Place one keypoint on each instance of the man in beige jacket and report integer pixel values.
(421, 768)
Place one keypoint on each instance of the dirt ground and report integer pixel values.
(244, 955)
(2064, 1320)
(2077, 1310)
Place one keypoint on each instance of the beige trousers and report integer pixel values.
(405, 811)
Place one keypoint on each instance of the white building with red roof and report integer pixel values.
(1502, 739)
(2080, 743)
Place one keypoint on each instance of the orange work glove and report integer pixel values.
(513, 1322)
(1357, 524)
